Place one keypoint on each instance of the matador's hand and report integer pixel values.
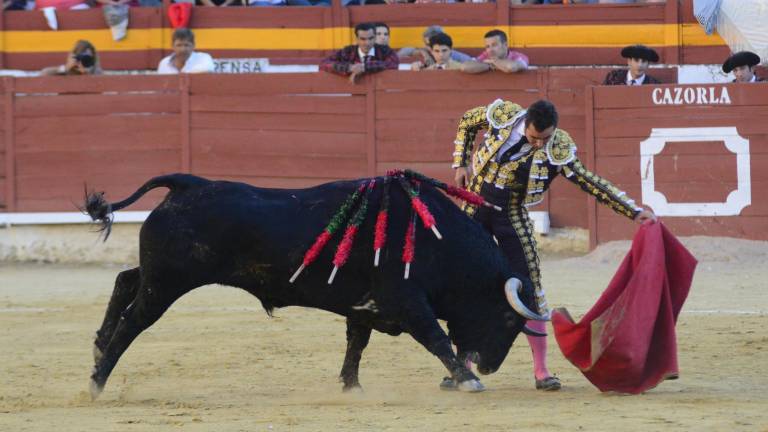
(461, 177)
(645, 216)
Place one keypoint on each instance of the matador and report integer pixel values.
(522, 153)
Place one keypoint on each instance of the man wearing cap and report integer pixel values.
(638, 57)
(743, 66)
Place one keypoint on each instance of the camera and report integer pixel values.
(85, 59)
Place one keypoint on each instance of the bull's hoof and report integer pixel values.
(97, 354)
(471, 386)
(449, 384)
(96, 389)
(354, 388)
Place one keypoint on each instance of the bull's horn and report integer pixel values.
(512, 290)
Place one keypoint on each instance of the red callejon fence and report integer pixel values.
(270, 130)
(60, 133)
(696, 154)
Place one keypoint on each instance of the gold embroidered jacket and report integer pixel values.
(557, 156)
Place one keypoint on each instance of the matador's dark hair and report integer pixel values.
(542, 114)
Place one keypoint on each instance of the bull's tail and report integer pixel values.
(100, 210)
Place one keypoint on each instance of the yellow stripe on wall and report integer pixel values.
(694, 35)
(569, 36)
(63, 40)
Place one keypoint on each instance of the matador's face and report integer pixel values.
(536, 138)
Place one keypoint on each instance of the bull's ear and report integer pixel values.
(512, 289)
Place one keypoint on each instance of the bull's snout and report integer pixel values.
(484, 370)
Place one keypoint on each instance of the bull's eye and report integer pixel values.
(509, 319)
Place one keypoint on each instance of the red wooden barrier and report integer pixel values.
(701, 148)
(273, 130)
(114, 132)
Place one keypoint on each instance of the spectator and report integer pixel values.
(441, 46)
(62, 4)
(184, 58)
(369, 2)
(382, 33)
(498, 56)
(219, 3)
(638, 58)
(584, 1)
(14, 4)
(743, 66)
(426, 53)
(288, 2)
(365, 57)
(116, 2)
(83, 60)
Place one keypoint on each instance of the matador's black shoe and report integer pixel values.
(550, 383)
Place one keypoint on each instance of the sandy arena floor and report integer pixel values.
(215, 362)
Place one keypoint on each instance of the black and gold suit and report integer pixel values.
(515, 183)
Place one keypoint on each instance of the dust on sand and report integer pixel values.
(216, 362)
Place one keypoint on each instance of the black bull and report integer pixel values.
(217, 232)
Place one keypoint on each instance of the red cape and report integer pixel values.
(626, 342)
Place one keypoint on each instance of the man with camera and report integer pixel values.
(81, 61)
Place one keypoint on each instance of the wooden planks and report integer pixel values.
(697, 168)
(413, 15)
(108, 132)
(257, 17)
(295, 130)
(587, 14)
(267, 128)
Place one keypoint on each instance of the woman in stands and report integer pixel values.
(83, 60)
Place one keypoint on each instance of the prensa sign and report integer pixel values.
(240, 65)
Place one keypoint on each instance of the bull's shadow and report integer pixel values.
(217, 232)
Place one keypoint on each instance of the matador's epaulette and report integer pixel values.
(561, 149)
(502, 113)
